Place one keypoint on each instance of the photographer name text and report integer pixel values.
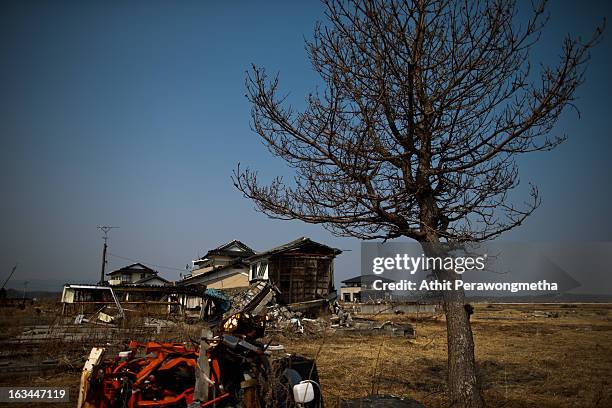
(431, 285)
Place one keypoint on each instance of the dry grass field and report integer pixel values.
(525, 360)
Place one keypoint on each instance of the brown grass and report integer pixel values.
(523, 361)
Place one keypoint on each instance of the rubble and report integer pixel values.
(254, 300)
(229, 367)
(236, 370)
(284, 320)
(342, 318)
(373, 327)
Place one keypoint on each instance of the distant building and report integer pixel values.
(136, 274)
(222, 268)
(359, 289)
(303, 270)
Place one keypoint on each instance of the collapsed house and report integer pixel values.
(302, 270)
(114, 300)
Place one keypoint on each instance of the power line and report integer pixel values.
(147, 263)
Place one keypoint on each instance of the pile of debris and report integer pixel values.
(390, 328)
(229, 367)
(285, 319)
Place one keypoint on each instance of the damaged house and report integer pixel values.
(302, 270)
(111, 302)
(222, 268)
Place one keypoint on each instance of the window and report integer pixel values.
(126, 277)
(262, 270)
(259, 270)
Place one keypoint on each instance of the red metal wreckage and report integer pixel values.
(231, 368)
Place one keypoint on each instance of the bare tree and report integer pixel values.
(425, 107)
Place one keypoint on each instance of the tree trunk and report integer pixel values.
(463, 387)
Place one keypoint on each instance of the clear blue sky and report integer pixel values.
(133, 114)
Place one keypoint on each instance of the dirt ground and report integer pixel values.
(525, 359)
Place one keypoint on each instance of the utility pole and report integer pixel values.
(105, 229)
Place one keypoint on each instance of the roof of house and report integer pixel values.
(150, 278)
(234, 248)
(135, 267)
(215, 270)
(303, 243)
(367, 279)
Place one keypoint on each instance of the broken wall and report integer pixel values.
(301, 278)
